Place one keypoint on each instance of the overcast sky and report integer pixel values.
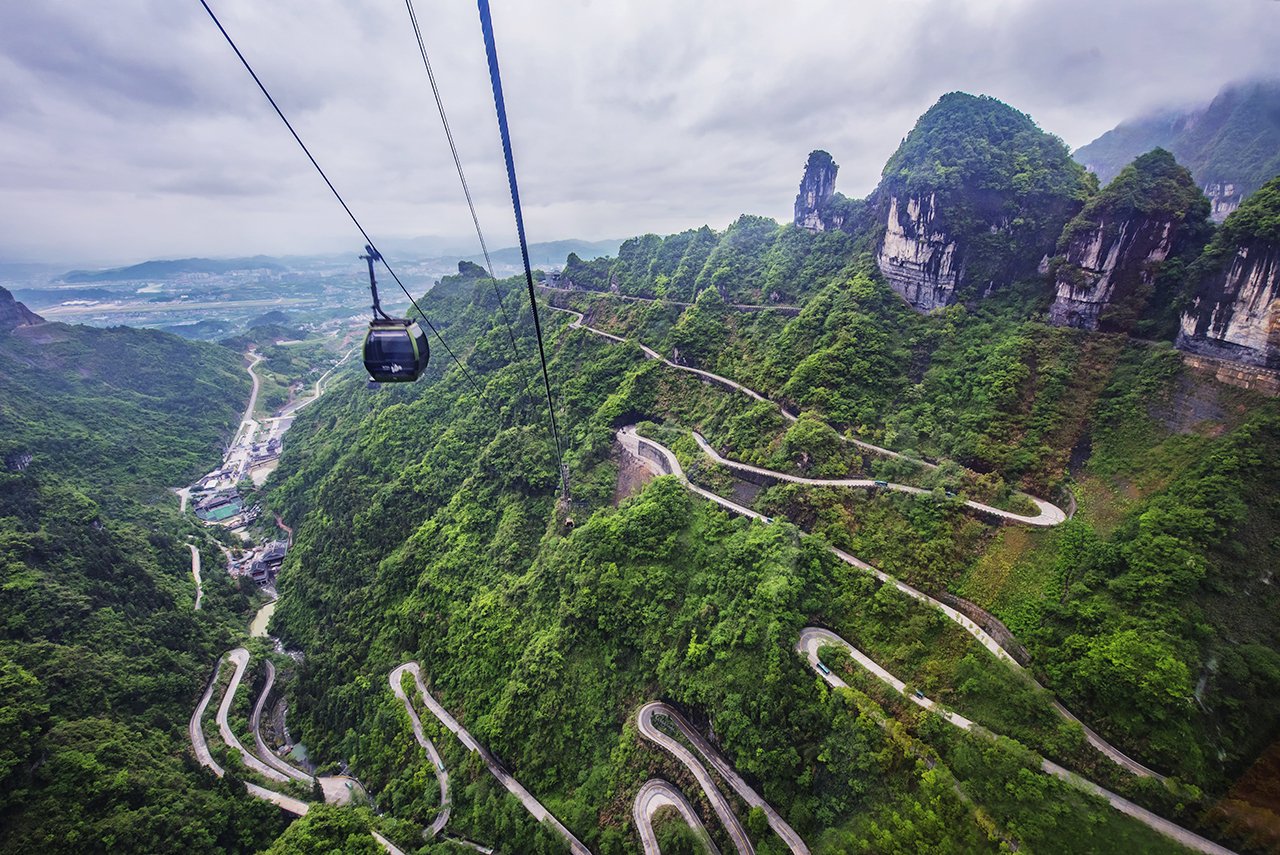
(128, 130)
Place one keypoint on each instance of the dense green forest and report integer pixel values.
(426, 531)
(101, 654)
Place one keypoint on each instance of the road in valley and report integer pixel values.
(813, 638)
(1050, 514)
(255, 721)
(442, 774)
(240, 658)
(531, 804)
(654, 795)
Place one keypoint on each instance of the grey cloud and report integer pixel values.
(128, 125)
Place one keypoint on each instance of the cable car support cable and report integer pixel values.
(466, 188)
(491, 50)
(338, 196)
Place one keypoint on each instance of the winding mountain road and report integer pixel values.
(255, 720)
(1050, 514)
(531, 804)
(745, 307)
(813, 638)
(396, 678)
(240, 658)
(654, 795)
(724, 768)
(663, 460)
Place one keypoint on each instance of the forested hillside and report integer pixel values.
(426, 531)
(101, 653)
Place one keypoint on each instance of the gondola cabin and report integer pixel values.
(395, 350)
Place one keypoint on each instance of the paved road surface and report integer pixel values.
(201, 749)
(812, 638)
(648, 450)
(442, 775)
(1049, 515)
(255, 720)
(240, 658)
(531, 804)
(644, 723)
(654, 795)
(722, 766)
(195, 572)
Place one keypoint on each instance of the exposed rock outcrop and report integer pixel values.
(1235, 315)
(972, 201)
(917, 258)
(816, 189)
(1113, 250)
(1235, 311)
(14, 314)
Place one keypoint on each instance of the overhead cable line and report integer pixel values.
(466, 189)
(491, 50)
(337, 195)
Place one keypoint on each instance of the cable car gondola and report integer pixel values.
(395, 349)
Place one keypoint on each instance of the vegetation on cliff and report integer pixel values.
(101, 655)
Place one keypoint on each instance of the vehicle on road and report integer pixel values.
(823, 668)
(882, 483)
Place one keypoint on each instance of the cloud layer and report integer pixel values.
(129, 130)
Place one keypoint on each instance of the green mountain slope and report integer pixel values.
(101, 655)
(426, 531)
(1234, 140)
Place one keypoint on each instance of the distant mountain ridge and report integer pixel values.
(166, 269)
(1231, 145)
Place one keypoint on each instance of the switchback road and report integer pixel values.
(723, 767)
(531, 804)
(654, 795)
(442, 775)
(1050, 514)
(812, 638)
(663, 460)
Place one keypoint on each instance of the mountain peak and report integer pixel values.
(14, 314)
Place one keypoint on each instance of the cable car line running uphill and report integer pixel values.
(370, 245)
(395, 349)
(491, 50)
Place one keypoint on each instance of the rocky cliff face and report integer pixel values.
(974, 197)
(14, 314)
(1112, 257)
(816, 189)
(916, 257)
(1235, 315)
(1111, 253)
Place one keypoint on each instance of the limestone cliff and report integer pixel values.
(972, 201)
(816, 189)
(14, 314)
(917, 256)
(1234, 313)
(1110, 255)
